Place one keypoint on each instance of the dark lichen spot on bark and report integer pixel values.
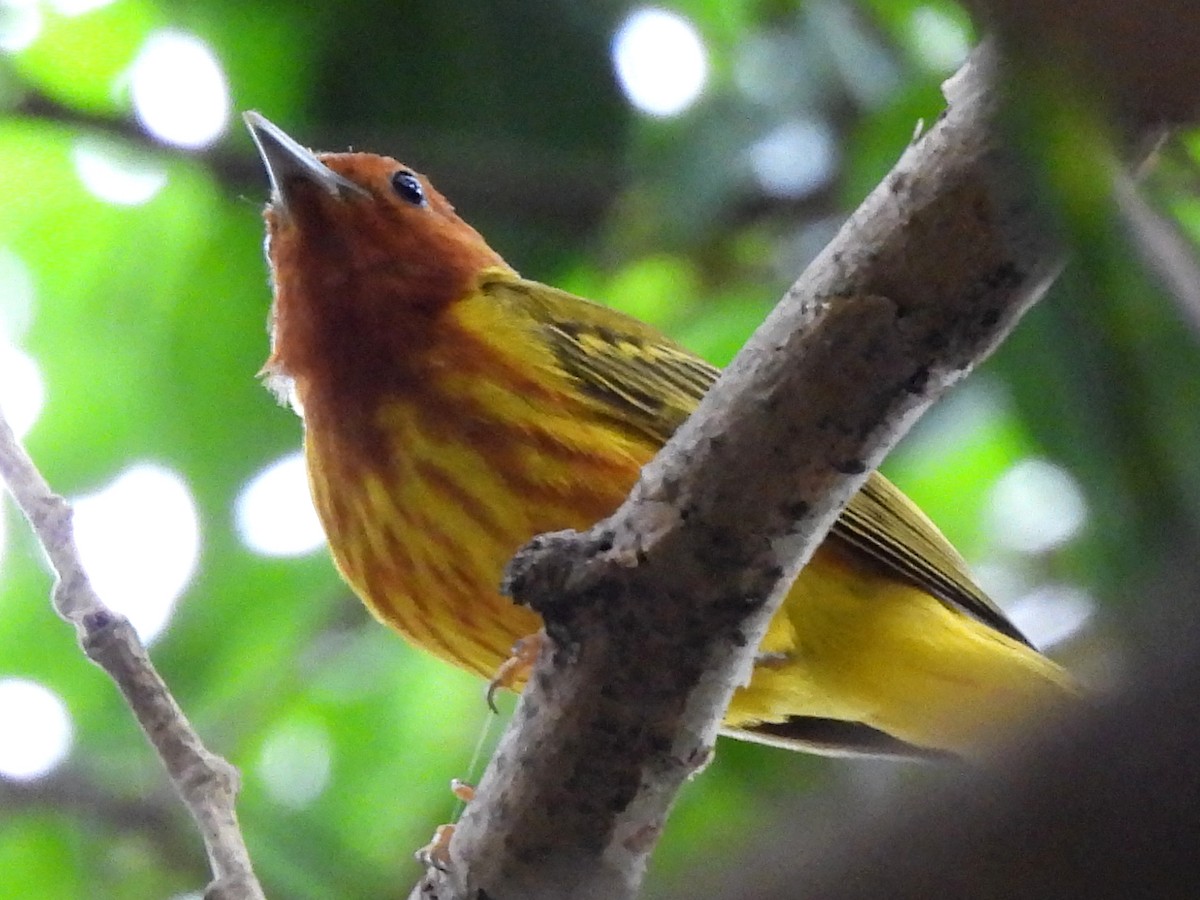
(608, 590)
(917, 381)
(525, 855)
(558, 628)
(731, 608)
(98, 620)
(797, 509)
(721, 551)
(936, 342)
(626, 624)
(1003, 275)
(753, 601)
(658, 743)
(668, 489)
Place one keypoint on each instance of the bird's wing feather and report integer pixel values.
(650, 384)
(884, 524)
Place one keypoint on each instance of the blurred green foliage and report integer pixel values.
(147, 324)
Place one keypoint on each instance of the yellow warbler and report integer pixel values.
(454, 409)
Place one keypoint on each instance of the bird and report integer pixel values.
(453, 410)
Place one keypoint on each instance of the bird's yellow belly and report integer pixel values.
(863, 646)
(425, 547)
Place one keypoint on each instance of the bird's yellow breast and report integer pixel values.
(472, 466)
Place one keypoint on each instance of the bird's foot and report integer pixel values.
(515, 670)
(436, 854)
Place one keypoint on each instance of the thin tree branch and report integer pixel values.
(561, 190)
(155, 818)
(655, 614)
(206, 782)
(1164, 249)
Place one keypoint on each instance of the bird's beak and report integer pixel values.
(287, 163)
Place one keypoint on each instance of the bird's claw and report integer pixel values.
(436, 854)
(516, 668)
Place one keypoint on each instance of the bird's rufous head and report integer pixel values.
(365, 254)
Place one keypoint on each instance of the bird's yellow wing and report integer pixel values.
(650, 384)
(887, 526)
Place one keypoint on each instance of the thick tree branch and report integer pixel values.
(656, 613)
(206, 783)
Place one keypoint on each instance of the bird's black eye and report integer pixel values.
(408, 187)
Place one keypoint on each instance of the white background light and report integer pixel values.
(36, 716)
(940, 42)
(77, 7)
(114, 176)
(795, 159)
(20, 24)
(274, 512)
(1036, 506)
(179, 90)
(139, 539)
(295, 762)
(17, 293)
(1052, 613)
(660, 60)
(22, 393)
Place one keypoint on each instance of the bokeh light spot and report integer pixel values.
(661, 61)
(139, 539)
(274, 512)
(1052, 613)
(116, 175)
(1036, 506)
(939, 41)
(295, 763)
(795, 159)
(17, 293)
(20, 24)
(3, 531)
(37, 729)
(179, 90)
(77, 7)
(22, 393)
